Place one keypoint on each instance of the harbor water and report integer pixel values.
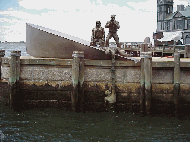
(53, 124)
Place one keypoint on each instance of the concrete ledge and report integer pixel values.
(156, 62)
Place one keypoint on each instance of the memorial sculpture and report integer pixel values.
(46, 43)
(98, 35)
(113, 25)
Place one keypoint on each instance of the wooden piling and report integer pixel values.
(81, 82)
(113, 79)
(77, 80)
(187, 51)
(14, 77)
(176, 81)
(2, 54)
(146, 81)
(142, 95)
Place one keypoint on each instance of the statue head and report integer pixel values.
(98, 24)
(113, 17)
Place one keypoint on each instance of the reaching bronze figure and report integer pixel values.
(113, 25)
(98, 35)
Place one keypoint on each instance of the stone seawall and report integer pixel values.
(43, 79)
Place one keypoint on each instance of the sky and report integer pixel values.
(137, 18)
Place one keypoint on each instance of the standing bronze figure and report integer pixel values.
(98, 35)
(113, 25)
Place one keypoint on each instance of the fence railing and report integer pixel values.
(135, 49)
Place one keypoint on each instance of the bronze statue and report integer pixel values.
(98, 35)
(113, 25)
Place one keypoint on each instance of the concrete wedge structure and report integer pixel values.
(43, 42)
(46, 43)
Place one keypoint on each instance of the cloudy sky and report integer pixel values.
(137, 18)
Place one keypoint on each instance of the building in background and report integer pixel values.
(172, 26)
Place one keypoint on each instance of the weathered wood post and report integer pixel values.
(2, 54)
(77, 94)
(113, 78)
(14, 77)
(81, 81)
(187, 51)
(142, 81)
(146, 81)
(176, 81)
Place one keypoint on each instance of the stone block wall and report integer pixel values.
(54, 82)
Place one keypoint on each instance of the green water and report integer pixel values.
(60, 125)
